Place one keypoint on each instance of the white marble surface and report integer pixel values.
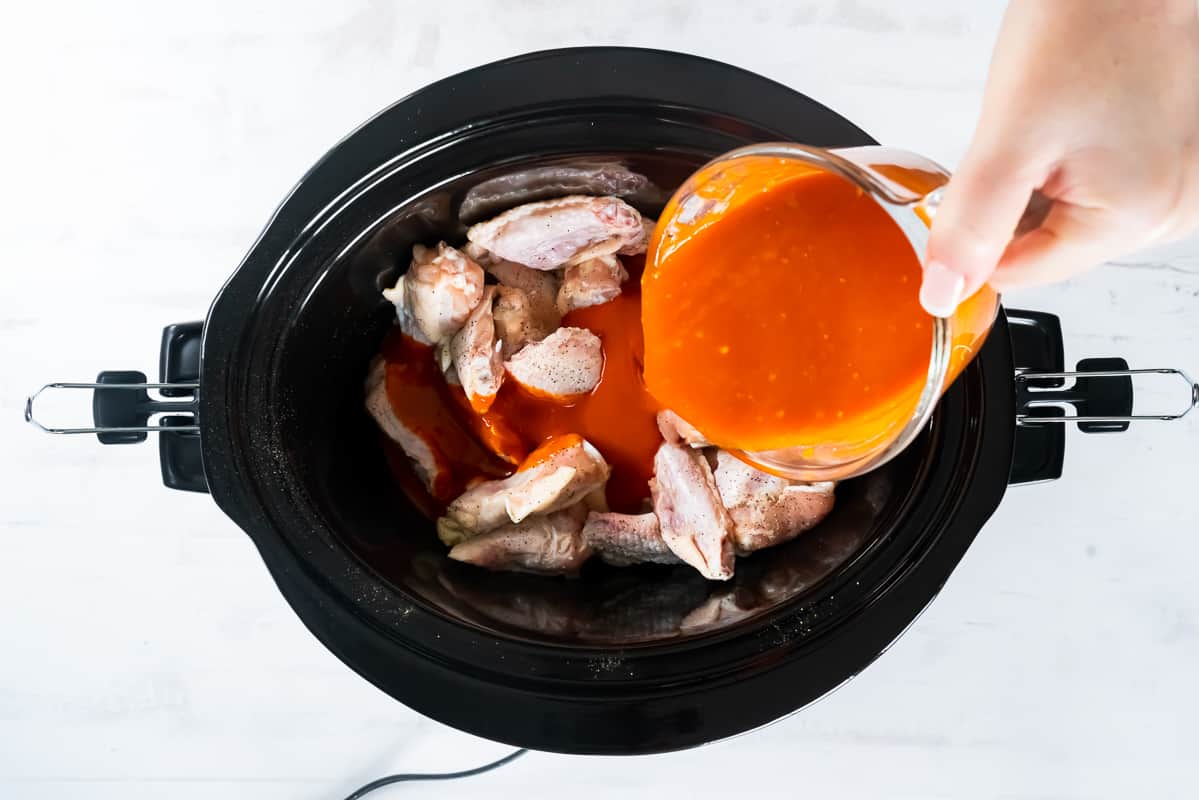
(146, 653)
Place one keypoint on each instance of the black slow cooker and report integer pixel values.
(261, 405)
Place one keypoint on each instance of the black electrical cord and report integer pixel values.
(432, 776)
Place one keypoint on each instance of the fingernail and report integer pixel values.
(942, 289)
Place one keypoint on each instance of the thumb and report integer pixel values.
(983, 203)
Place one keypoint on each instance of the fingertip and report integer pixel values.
(961, 251)
(942, 289)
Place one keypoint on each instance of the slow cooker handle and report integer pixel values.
(1101, 396)
(122, 407)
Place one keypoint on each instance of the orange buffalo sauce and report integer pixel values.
(618, 416)
(790, 317)
(423, 401)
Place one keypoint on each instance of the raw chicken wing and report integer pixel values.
(639, 246)
(515, 323)
(767, 510)
(437, 294)
(546, 544)
(563, 365)
(558, 474)
(624, 539)
(677, 430)
(420, 449)
(556, 233)
(591, 283)
(444, 358)
(578, 176)
(694, 523)
(540, 287)
(476, 355)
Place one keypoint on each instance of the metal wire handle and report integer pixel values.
(159, 407)
(1025, 377)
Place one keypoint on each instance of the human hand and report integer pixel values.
(1096, 104)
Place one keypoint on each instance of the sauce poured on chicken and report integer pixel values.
(792, 319)
(521, 409)
(617, 416)
(425, 404)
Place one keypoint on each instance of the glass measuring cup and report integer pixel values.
(907, 187)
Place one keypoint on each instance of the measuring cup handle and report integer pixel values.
(1034, 213)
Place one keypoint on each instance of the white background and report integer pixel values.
(144, 651)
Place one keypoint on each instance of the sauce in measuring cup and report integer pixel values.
(781, 314)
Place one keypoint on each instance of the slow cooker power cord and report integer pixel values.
(413, 777)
